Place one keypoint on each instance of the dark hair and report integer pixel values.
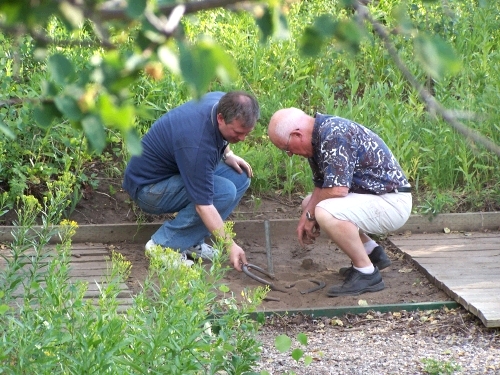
(239, 105)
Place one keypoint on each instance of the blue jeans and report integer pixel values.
(187, 228)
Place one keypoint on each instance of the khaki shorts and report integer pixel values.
(375, 214)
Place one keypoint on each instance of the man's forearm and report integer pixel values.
(212, 219)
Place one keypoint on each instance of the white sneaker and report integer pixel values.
(149, 245)
(169, 258)
(203, 251)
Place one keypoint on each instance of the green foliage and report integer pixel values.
(78, 86)
(284, 343)
(366, 88)
(436, 367)
(435, 204)
(436, 56)
(183, 322)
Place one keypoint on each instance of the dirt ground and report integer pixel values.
(293, 266)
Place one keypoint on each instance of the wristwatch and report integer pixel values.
(227, 154)
(310, 217)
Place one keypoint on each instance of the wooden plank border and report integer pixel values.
(133, 233)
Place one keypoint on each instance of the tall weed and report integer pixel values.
(185, 320)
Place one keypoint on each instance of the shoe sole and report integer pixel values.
(380, 266)
(373, 288)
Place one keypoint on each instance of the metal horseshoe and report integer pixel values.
(246, 269)
(320, 285)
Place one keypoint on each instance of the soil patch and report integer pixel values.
(293, 265)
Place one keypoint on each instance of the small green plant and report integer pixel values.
(436, 204)
(256, 201)
(4, 205)
(283, 343)
(436, 367)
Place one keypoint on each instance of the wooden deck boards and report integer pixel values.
(464, 265)
(89, 263)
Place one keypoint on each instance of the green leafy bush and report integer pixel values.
(184, 321)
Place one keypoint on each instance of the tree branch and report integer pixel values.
(432, 104)
(107, 14)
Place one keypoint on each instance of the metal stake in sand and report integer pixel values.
(267, 234)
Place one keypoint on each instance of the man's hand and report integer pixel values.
(237, 256)
(307, 231)
(238, 164)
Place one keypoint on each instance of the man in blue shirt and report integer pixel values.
(187, 167)
(359, 188)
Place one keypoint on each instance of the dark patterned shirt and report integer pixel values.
(351, 155)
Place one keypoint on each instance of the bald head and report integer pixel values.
(284, 121)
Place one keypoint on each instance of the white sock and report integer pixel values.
(368, 270)
(369, 246)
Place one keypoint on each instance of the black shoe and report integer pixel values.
(357, 283)
(378, 257)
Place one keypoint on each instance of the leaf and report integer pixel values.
(347, 3)
(226, 68)
(115, 117)
(345, 32)
(297, 354)
(133, 142)
(201, 63)
(337, 322)
(69, 108)
(310, 42)
(11, 11)
(94, 132)
(261, 317)
(169, 59)
(325, 25)
(282, 343)
(265, 23)
(73, 14)
(273, 24)
(3, 309)
(48, 89)
(362, 302)
(405, 270)
(135, 8)
(60, 69)
(348, 35)
(404, 22)
(192, 72)
(436, 56)
(6, 130)
(224, 288)
(45, 114)
(308, 360)
(302, 338)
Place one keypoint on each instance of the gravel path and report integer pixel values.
(385, 343)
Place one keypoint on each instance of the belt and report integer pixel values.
(402, 189)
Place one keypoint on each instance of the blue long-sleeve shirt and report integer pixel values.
(185, 141)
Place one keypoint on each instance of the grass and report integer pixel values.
(365, 87)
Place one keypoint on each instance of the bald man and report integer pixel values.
(359, 188)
